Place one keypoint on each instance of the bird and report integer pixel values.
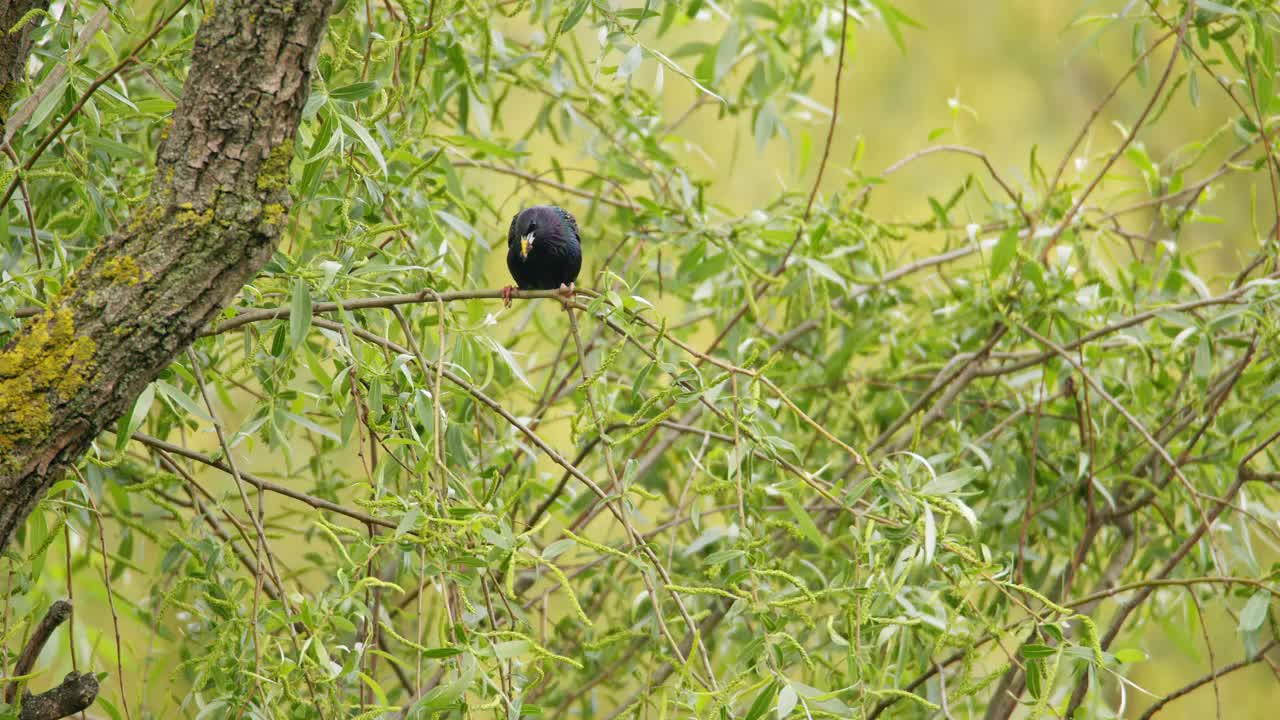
(544, 251)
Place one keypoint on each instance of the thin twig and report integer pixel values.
(106, 580)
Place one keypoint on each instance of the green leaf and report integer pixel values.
(766, 125)
(893, 18)
(1035, 678)
(183, 401)
(827, 272)
(762, 702)
(1255, 611)
(354, 92)
(114, 149)
(458, 225)
(50, 101)
(726, 52)
(787, 700)
(1130, 655)
(115, 712)
(803, 520)
(442, 697)
(510, 361)
(483, 147)
(630, 62)
(367, 140)
(682, 73)
(949, 482)
(299, 312)
(310, 425)
(575, 14)
(555, 549)
(1003, 253)
(1215, 8)
(930, 534)
(137, 414)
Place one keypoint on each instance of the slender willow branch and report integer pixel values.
(1231, 297)
(98, 82)
(542, 445)
(425, 296)
(961, 150)
(382, 302)
(538, 179)
(1211, 677)
(1133, 421)
(1243, 475)
(760, 288)
(1259, 583)
(315, 502)
(1130, 135)
(1097, 109)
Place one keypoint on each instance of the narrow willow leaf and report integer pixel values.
(299, 312)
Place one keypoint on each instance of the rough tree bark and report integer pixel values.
(213, 216)
(15, 47)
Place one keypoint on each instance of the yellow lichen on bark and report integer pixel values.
(274, 173)
(122, 269)
(272, 213)
(47, 364)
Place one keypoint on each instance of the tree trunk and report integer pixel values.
(214, 214)
(15, 47)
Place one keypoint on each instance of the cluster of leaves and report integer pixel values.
(781, 463)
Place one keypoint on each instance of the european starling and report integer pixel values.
(544, 250)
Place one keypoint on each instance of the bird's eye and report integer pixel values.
(533, 226)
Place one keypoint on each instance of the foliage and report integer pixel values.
(789, 462)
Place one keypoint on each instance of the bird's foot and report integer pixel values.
(507, 292)
(567, 294)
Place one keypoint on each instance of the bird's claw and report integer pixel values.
(507, 292)
(567, 294)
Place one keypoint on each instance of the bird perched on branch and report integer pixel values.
(544, 251)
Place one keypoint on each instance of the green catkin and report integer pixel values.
(327, 529)
(791, 641)
(792, 579)
(401, 639)
(592, 545)
(536, 648)
(1089, 634)
(695, 590)
(1039, 596)
(568, 590)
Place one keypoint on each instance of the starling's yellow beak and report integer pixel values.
(526, 242)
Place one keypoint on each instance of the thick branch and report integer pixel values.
(212, 220)
(58, 613)
(77, 692)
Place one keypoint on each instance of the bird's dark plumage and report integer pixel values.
(544, 249)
